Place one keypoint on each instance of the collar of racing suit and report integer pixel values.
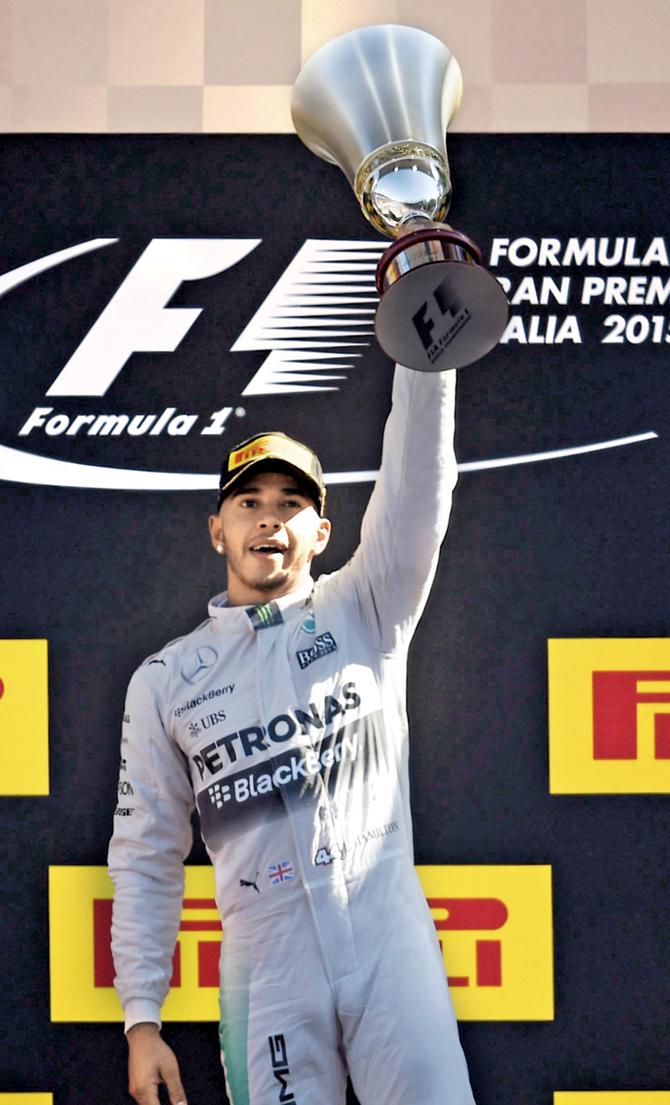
(226, 618)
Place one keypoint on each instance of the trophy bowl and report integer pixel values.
(378, 102)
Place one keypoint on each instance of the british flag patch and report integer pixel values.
(280, 872)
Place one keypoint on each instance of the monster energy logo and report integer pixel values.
(262, 617)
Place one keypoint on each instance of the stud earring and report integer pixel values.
(219, 548)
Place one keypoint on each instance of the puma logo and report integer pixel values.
(254, 882)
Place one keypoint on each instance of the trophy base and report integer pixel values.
(439, 307)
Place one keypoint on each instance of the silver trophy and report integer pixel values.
(377, 102)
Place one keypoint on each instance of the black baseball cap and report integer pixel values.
(264, 449)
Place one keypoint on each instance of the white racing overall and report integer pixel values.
(286, 724)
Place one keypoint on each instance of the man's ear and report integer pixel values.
(322, 536)
(216, 533)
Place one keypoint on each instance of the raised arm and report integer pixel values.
(406, 519)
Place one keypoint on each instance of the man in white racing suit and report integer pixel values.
(282, 718)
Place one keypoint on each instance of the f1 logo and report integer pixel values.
(609, 716)
(452, 318)
(138, 318)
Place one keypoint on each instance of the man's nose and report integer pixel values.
(269, 522)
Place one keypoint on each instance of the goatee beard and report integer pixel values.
(269, 585)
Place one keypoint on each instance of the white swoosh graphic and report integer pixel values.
(553, 454)
(14, 277)
(19, 467)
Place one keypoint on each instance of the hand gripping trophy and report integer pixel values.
(377, 102)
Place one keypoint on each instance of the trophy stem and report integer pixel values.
(413, 222)
(401, 181)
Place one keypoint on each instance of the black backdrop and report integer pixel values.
(573, 547)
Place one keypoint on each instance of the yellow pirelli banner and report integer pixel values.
(494, 924)
(26, 1098)
(609, 716)
(24, 718)
(612, 1097)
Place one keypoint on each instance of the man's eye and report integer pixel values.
(248, 502)
(293, 503)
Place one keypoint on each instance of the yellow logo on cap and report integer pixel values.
(258, 448)
(273, 445)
